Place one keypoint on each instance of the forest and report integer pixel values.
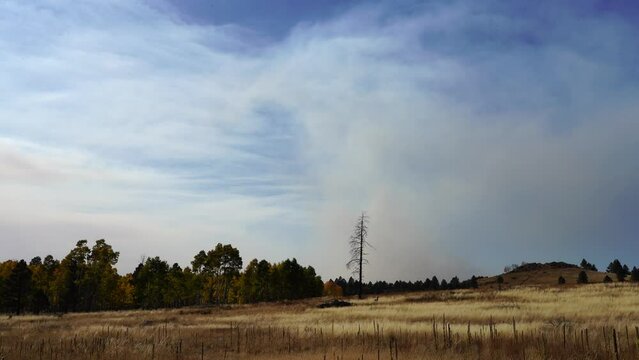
(86, 279)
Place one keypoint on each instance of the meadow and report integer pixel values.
(597, 321)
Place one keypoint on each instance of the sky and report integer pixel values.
(474, 134)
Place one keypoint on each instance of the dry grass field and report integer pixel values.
(596, 321)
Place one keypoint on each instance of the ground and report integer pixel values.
(533, 322)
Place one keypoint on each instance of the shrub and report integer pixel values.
(582, 278)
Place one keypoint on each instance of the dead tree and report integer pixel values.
(358, 244)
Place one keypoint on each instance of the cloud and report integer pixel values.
(472, 158)
(474, 135)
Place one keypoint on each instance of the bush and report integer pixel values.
(607, 279)
(582, 278)
(561, 280)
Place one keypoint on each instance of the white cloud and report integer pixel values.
(119, 122)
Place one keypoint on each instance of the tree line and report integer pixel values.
(352, 286)
(358, 245)
(621, 272)
(86, 280)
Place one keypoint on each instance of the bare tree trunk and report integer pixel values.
(358, 256)
(361, 255)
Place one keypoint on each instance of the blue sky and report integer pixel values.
(475, 134)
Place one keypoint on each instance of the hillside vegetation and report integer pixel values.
(544, 274)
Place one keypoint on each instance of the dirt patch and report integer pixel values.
(334, 303)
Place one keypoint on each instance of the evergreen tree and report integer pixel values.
(584, 264)
(434, 283)
(176, 293)
(587, 266)
(582, 278)
(443, 285)
(39, 286)
(150, 281)
(427, 284)
(454, 283)
(474, 284)
(619, 270)
(17, 288)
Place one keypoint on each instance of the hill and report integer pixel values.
(543, 274)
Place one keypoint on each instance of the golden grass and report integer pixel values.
(428, 325)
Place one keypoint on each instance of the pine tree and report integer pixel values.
(454, 283)
(587, 266)
(582, 278)
(434, 283)
(443, 285)
(474, 284)
(619, 270)
(17, 287)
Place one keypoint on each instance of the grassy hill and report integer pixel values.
(543, 274)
